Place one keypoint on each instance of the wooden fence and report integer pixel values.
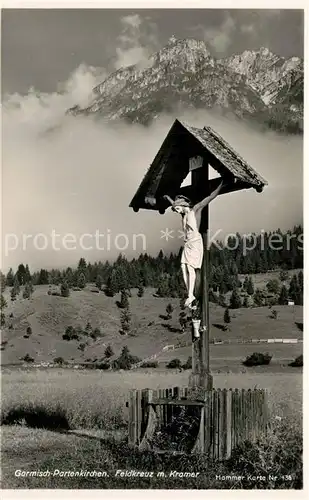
(227, 417)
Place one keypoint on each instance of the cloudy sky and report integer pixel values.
(41, 47)
(70, 176)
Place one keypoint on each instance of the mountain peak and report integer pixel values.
(183, 73)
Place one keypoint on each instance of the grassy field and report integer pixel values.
(81, 401)
(49, 316)
(96, 400)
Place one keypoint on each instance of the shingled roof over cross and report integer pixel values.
(171, 166)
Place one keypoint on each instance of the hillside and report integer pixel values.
(49, 316)
(184, 74)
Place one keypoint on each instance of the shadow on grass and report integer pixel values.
(37, 417)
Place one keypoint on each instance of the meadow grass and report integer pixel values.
(275, 462)
(97, 399)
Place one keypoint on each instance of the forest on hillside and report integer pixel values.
(163, 271)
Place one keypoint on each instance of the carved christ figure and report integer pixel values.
(192, 254)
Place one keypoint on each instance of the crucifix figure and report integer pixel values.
(192, 254)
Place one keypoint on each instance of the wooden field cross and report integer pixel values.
(190, 149)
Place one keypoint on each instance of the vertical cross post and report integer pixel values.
(201, 376)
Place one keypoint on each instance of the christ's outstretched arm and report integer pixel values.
(202, 204)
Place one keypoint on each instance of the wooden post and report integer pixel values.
(201, 376)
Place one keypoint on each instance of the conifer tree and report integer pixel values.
(250, 287)
(283, 297)
(227, 317)
(235, 300)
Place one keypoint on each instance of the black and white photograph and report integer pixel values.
(152, 270)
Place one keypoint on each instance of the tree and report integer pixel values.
(126, 359)
(13, 294)
(169, 311)
(124, 301)
(235, 300)
(82, 264)
(88, 329)
(246, 301)
(21, 274)
(108, 353)
(221, 300)
(227, 317)
(294, 289)
(28, 290)
(65, 291)
(245, 284)
(140, 292)
(81, 281)
(43, 278)
(258, 298)
(283, 275)
(16, 285)
(10, 278)
(29, 330)
(99, 282)
(27, 274)
(125, 320)
(250, 287)
(273, 286)
(283, 297)
(163, 286)
(111, 285)
(3, 303)
(3, 282)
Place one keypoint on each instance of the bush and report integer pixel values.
(125, 360)
(188, 364)
(105, 365)
(257, 358)
(59, 360)
(108, 353)
(65, 290)
(149, 364)
(298, 362)
(174, 363)
(70, 334)
(27, 358)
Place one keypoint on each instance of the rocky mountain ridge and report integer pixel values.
(255, 84)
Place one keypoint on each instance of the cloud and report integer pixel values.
(74, 175)
(221, 37)
(136, 42)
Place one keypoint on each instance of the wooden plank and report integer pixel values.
(224, 424)
(222, 429)
(215, 424)
(207, 422)
(178, 402)
(254, 417)
(266, 410)
(228, 424)
(237, 435)
(232, 419)
(152, 421)
(168, 408)
(200, 439)
(132, 418)
(249, 415)
(138, 415)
